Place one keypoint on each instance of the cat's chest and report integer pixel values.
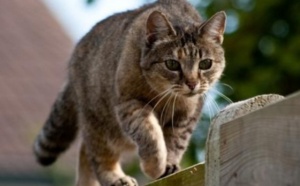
(176, 109)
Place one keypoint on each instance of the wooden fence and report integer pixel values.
(250, 143)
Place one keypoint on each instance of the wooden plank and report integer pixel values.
(192, 176)
(259, 148)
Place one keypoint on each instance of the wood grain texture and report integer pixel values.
(192, 176)
(259, 147)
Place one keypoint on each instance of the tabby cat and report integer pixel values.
(136, 83)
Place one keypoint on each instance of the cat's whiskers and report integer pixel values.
(222, 95)
(207, 103)
(158, 95)
(214, 103)
(163, 110)
(165, 95)
(177, 89)
(226, 85)
(173, 110)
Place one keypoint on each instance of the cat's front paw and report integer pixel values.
(170, 169)
(153, 163)
(153, 170)
(125, 181)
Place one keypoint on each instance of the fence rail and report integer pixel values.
(253, 142)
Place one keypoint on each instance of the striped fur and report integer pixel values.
(59, 130)
(123, 96)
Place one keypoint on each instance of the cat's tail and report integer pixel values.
(59, 130)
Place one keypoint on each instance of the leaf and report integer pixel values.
(90, 1)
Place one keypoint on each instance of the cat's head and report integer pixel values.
(183, 59)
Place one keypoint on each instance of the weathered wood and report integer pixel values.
(192, 176)
(260, 148)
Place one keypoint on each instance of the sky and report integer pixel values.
(77, 18)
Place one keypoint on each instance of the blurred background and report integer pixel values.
(262, 44)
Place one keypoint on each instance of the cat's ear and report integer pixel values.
(214, 28)
(158, 27)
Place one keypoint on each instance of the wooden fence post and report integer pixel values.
(255, 142)
(260, 148)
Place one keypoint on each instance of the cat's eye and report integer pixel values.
(205, 64)
(172, 65)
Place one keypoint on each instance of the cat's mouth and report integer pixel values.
(190, 94)
(186, 94)
(193, 93)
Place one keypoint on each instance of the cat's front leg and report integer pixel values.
(177, 138)
(140, 123)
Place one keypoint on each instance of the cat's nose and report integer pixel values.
(192, 85)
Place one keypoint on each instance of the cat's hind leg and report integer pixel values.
(109, 171)
(85, 175)
(104, 161)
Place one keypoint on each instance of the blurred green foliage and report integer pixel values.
(262, 46)
(90, 1)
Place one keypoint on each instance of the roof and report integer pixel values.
(34, 50)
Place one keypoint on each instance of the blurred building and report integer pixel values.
(34, 51)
